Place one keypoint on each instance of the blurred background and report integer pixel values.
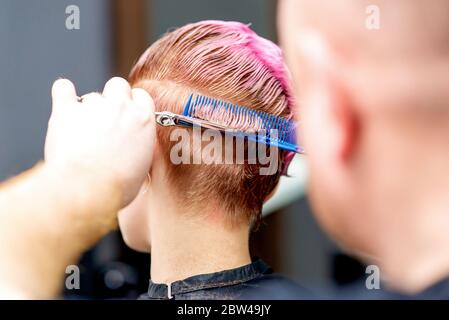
(37, 48)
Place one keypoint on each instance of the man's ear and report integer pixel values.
(330, 117)
(345, 116)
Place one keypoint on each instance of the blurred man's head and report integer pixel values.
(374, 104)
(224, 60)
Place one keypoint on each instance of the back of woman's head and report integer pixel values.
(224, 60)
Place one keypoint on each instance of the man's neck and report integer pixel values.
(185, 244)
(416, 256)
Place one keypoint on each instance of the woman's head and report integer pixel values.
(224, 60)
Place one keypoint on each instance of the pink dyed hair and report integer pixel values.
(229, 61)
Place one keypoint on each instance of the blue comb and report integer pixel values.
(240, 121)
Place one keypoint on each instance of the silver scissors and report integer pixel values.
(167, 119)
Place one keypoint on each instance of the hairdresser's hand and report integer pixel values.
(107, 138)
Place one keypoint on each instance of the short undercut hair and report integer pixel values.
(224, 60)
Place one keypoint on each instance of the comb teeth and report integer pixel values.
(244, 119)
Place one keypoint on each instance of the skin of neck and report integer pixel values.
(415, 256)
(187, 241)
(410, 226)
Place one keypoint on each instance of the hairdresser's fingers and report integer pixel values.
(92, 99)
(63, 92)
(144, 102)
(117, 89)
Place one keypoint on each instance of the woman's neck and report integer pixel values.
(185, 244)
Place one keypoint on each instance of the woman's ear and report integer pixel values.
(157, 156)
(134, 221)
